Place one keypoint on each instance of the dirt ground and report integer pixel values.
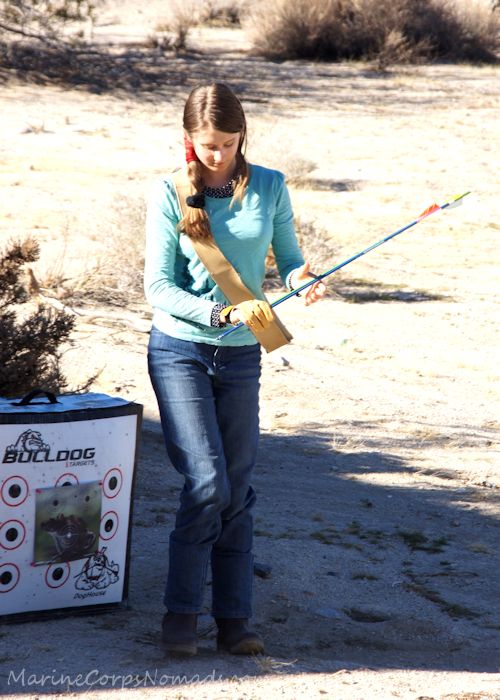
(378, 476)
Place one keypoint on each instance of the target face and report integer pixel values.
(109, 525)
(65, 493)
(12, 534)
(9, 577)
(14, 491)
(112, 483)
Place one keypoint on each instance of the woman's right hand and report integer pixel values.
(254, 313)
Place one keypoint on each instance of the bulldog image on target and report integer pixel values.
(97, 572)
(29, 441)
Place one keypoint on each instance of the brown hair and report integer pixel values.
(215, 106)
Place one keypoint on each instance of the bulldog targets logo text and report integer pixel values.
(30, 447)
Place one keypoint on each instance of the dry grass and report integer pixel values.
(316, 247)
(388, 31)
(268, 664)
(118, 276)
(184, 15)
(222, 13)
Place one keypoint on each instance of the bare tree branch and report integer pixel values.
(22, 32)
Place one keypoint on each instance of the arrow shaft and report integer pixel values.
(329, 272)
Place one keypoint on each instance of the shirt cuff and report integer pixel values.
(215, 320)
(288, 278)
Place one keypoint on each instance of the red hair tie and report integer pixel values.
(190, 152)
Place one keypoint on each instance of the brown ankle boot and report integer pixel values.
(234, 636)
(178, 633)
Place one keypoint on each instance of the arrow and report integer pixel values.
(456, 201)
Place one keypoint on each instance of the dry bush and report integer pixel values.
(182, 17)
(29, 340)
(44, 19)
(322, 29)
(297, 169)
(222, 13)
(388, 30)
(118, 277)
(161, 40)
(113, 275)
(455, 31)
(315, 244)
(316, 247)
(56, 276)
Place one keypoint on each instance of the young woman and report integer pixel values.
(207, 388)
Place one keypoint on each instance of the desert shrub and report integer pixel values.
(118, 274)
(297, 169)
(322, 29)
(315, 243)
(392, 30)
(221, 13)
(316, 247)
(463, 31)
(43, 19)
(30, 340)
(183, 15)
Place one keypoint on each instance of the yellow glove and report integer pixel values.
(225, 313)
(254, 313)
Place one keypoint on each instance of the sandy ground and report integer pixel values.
(378, 476)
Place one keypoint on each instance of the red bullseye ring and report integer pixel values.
(57, 575)
(14, 491)
(9, 577)
(12, 534)
(109, 525)
(112, 482)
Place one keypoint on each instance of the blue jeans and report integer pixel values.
(208, 400)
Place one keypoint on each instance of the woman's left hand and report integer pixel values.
(302, 275)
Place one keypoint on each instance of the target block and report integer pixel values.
(67, 470)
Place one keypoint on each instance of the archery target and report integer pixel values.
(109, 525)
(112, 483)
(65, 493)
(14, 491)
(9, 577)
(12, 534)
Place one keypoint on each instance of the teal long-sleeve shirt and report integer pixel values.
(177, 284)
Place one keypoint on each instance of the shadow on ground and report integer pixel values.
(359, 291)
(352, 569)
(149, 74)
(388, 575)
